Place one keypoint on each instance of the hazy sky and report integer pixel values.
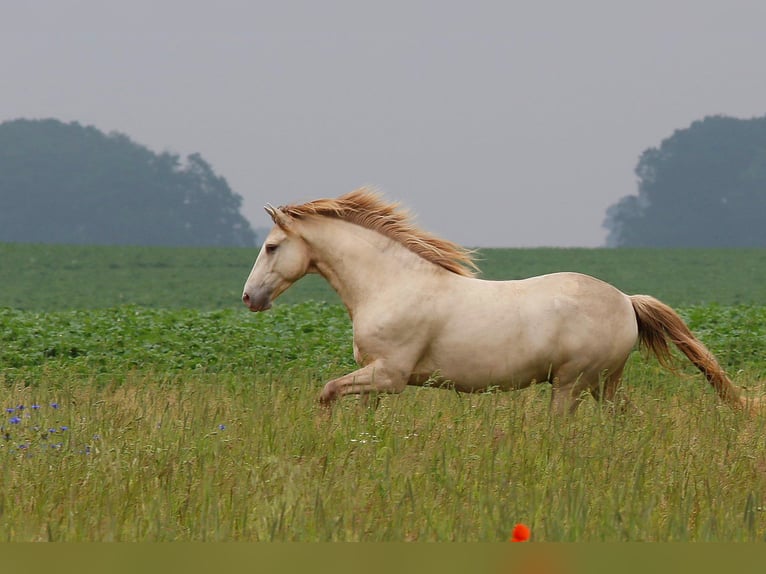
(498, 123)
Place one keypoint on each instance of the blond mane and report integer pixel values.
(367, 208)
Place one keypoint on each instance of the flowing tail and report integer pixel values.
(658, 325)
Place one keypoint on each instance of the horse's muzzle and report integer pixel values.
(258, 301)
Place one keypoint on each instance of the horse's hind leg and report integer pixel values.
(562, 402)
(567, 394)
(571, 385)
(610, 391)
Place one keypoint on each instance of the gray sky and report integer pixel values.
(498, 123)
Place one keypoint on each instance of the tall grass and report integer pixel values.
(222, 457)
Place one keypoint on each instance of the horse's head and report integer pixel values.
(283, 259)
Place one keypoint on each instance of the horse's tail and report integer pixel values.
(658, 325)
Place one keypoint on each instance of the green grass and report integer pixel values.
(180, 416)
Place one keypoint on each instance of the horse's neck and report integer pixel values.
(359, 263)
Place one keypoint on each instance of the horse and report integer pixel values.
(420, 315)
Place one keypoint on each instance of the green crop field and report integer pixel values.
(141, 403)
(50, 277)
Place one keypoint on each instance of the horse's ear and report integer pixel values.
(278, 216)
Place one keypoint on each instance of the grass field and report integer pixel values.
(49, 277)
(140, 403)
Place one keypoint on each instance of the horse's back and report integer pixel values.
(556, 296)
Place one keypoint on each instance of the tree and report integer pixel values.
(66, 183)
(705, 186)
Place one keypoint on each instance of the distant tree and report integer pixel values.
(705, 186)
(66, 183)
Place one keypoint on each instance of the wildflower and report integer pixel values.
(35, 407)
(221, 427)
(64, 429)
(520, 533)
(54, 405)
(9, 410)
(15, 420)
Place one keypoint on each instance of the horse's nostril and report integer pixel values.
(246, 298)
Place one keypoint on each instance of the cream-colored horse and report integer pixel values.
(419, 315)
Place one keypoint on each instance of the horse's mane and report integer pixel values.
(367, 208)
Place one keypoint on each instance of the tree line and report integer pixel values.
(68, 183)
(705, 186)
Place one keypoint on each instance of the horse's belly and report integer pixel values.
(471, 374)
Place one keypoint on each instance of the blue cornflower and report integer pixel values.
(20, 408)
(221, 427)
(9, 410)
(52, 430)
(64, 429)
(54, 405)
(35, 407)
(15, 420)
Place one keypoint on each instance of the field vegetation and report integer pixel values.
(140, 403)
(51, 277)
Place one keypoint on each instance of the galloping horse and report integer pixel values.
(419, 315)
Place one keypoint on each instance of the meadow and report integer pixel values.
(140, 403)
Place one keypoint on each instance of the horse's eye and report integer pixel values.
(271, 248)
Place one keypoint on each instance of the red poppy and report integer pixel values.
(520, 533)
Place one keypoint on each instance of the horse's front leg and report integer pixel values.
(374, 378)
